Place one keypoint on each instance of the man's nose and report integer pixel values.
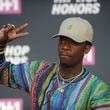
(65, 44)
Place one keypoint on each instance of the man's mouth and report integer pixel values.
(64, 55)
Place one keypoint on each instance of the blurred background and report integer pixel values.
(44, 18)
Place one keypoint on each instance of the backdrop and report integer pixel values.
(44, 18)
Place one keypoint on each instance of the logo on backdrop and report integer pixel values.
(11, 104)
(89, 59)
(10, 6)
(75, 7)
(17, 54)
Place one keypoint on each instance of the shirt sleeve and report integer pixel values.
(19, 76)
(101, 96)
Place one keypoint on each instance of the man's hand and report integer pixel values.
(9, 32)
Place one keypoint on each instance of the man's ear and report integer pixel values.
(87, 49)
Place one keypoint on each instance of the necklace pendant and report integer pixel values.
(61, 90)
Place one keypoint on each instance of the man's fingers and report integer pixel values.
(8, 27)
(22, 34)
(19, 36)
(21, 28)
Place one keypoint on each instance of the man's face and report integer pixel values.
(70, 52)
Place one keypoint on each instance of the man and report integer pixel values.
(64, 86)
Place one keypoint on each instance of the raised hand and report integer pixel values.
(9, 32)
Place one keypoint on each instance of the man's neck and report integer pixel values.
(70, 71)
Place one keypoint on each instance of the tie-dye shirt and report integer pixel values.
(39, 78)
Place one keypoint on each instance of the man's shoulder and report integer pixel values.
(96, 80)
(41, 66)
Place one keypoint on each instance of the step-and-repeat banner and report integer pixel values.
(44, 18)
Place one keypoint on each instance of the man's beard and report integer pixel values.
(66, 65)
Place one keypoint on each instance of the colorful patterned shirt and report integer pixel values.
(39, 78)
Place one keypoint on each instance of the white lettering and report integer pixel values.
(88, 9)
(65, 7)
(9, 50)
(17, 54)
(89, 1)
(25, 50)
(17, 106)
(17, 50)
(8, 5)
(10, 105)
(81, 8)
(56, 9)
(6, 106)
(62, 1)
(96, 8)
(15, 5)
